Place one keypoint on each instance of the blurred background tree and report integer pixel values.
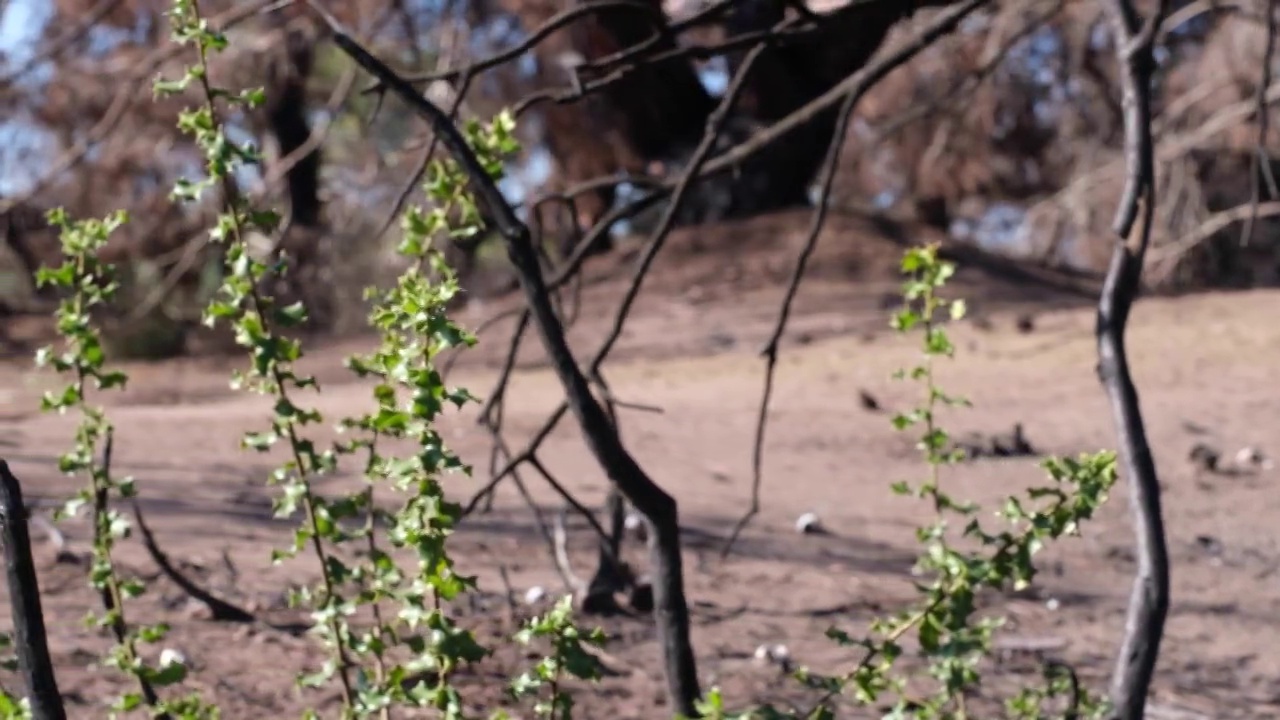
(1006, 134)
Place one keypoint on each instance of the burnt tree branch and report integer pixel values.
(540, 33)
(1149, 603)
(770, 351)
(659, 508)
(702, 166)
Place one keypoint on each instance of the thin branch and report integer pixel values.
(112, 599)
(64, 41)
(715, 125)
(543, 528)
(635, 58)
(945, 103)
(657, 238)
(1214, 224)
(555, 22)
(519, 459)
(770, 351)
(771, 346)
(1174, 146)
(1149, 603)
(337, 98)
(460, 94)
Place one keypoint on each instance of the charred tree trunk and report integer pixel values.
(287, 117)
(1133, 39)
(285, 114)
(30, 637)
(21, 227)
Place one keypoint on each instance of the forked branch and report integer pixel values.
(658, 507)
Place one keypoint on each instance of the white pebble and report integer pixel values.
(534, 594)
(772, 654)
(1253, 456)
(808, 523)
(1052, 604)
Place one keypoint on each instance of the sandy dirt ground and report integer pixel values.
(1205, 366)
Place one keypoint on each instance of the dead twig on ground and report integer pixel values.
(220, 610)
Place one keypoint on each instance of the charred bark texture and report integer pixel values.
(1134, 39)
(30, 637)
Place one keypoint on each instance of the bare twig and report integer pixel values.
(555, 22)
(518, 459)
(1212, 225)
(509, 594)
(688, 178)
(576, 584)
(945, 21)
(30, 637)
(715, 124)
(770, 351)
(1149, 603)
(631, 60)
(460, 94)
(1053, 667)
